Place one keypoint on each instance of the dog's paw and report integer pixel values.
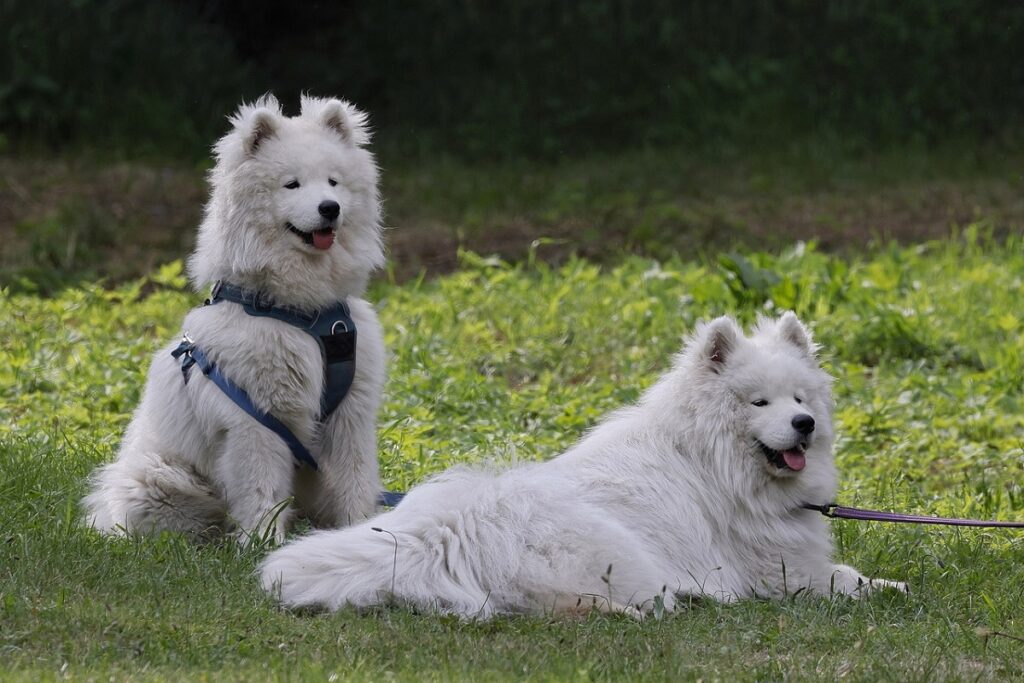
(867, 586)
(848, 581)
(888, 584)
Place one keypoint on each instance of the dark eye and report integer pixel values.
(760, 403)
(332, 182)
(293, 185)
(798, 399)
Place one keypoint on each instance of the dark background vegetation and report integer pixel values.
(532, 77)
(597, 126)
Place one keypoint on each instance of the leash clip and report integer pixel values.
(827, 509)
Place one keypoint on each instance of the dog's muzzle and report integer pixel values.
(792, 458)
(318, 239)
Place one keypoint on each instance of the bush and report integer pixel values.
(536, 77)
(133, 76)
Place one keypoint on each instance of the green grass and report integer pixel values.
(514, 362)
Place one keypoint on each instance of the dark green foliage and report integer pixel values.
(537, 77)
(144, 76)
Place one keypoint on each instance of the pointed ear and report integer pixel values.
(344, 119)
(262, 126)
(790, 329)
(257, 122)
(717, 341)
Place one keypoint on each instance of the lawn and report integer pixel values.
(513, 362)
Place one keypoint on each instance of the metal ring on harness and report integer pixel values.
(334, 327)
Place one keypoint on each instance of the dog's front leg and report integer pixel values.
(348, 483)
(256, 470)
(346, 488)
(848, 581)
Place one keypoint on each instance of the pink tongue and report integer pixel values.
(323, 239)
(795, 460)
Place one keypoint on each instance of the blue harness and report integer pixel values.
(332, 329)
(335, 334)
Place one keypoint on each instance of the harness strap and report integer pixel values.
(390, 498)
(258, 303)
(190, 355)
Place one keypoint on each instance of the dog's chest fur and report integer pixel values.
(279, 366)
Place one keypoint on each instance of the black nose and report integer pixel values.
(803, 423)
(329, 209)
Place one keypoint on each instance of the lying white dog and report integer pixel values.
(694, 491)
(292, 234)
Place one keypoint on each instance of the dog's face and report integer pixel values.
(295, 206)
(311, 198)
(780, 414)
(315, 176)
(777, 393)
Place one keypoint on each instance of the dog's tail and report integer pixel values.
(147, 494)
(416, 554)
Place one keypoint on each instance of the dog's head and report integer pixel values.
(294, 208)
(767, 396)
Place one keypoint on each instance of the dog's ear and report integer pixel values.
(338, 116)
(257, 122)
(717, 340)
(790, 330)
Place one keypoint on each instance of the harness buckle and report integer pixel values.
(185, 347)
(184, 352)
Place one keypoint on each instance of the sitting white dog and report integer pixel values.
(288, 404)
(697, 490)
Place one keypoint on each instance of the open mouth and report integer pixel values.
(789, 459)
(318, 239)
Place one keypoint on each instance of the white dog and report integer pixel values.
(694, 491)
(292, 232)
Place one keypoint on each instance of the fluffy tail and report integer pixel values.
(421, 553)
(147, 494)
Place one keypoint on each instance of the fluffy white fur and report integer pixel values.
(670, 497)
(191, 460)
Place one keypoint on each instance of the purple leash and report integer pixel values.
(842, 512)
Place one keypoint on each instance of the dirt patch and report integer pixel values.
(62, 220)
(115, 221)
